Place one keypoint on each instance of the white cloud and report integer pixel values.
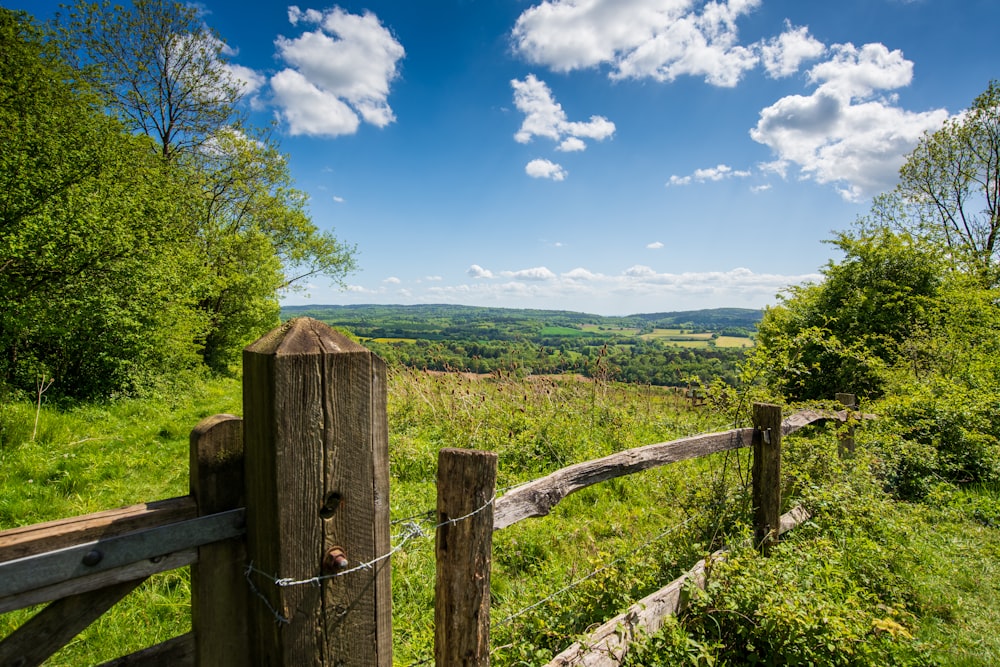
(540, 168)
(536, 273)
(658, 39)
(845, 133)
(655, 245)
(476, 271)
(716, 173)
(392, 280)
(782, 55)
(338, 199)
(636, 289)
(571, 144)
(250, 81)
(760, 188)
(544, 117)
(338, 74)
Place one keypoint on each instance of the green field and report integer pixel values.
(868, 581)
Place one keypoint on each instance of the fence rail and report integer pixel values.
(297, 493)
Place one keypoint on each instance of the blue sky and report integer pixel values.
(606, 156)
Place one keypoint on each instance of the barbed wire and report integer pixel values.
(412, 531)
(596, 572)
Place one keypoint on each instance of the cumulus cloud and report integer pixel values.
(536, 273)
(544, 117)
(655, 245)
(658, 39)
(392, 280)
(476, 271)
(716, 173)
(540, 168)
(249, 81)
(338, 74)
(847, 132)
(782, 55)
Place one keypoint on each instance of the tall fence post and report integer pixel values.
(464, 547)
(317, 487)
(845, 446)
(218, 586)
(766, 473)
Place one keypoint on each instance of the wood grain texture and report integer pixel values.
(765, 473)
(314, 428)
(56, 625)
(92, 582)
(466, 484)
(41, 537)
(219, 591)
(538, 497)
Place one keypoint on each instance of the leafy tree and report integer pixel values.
(165, 74)
(95, 252)
(950, 185)
(839, 335)
(159, 68)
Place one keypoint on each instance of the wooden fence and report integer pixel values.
(288, 501)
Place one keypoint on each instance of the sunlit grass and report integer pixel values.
(553, 577)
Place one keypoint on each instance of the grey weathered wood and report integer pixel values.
(139, 570)
(766, 472)
(610, 642)
(176, 652)
(219, 590)
(538, 497)
(466, 486)
(41, 537)
(316, 448)
(52, 567)
(845, 446)
(53, 627)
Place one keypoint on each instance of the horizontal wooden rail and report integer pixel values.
(85, 584)
(115, 558)
(51, 567)
(41, 537)
(538, 497)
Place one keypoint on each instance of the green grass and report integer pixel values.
(608, 545)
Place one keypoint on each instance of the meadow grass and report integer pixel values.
(553, 577)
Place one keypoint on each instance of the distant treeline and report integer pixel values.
(490, 340)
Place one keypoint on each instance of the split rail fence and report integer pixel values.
(286, 527)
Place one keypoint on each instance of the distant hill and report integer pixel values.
(447, 321)
(655, 348)
(713, 318)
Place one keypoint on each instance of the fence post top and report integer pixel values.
(460, 451)
(303, 336)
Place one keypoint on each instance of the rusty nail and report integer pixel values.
(334, 560)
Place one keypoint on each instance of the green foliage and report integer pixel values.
(838, 335)
(533, 342)
(94, 262)
(949, 183)
(141, 245)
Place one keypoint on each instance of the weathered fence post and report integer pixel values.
(219, 588)
(766, 473)
(464, 545)
(317, 486)
(845, 446)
